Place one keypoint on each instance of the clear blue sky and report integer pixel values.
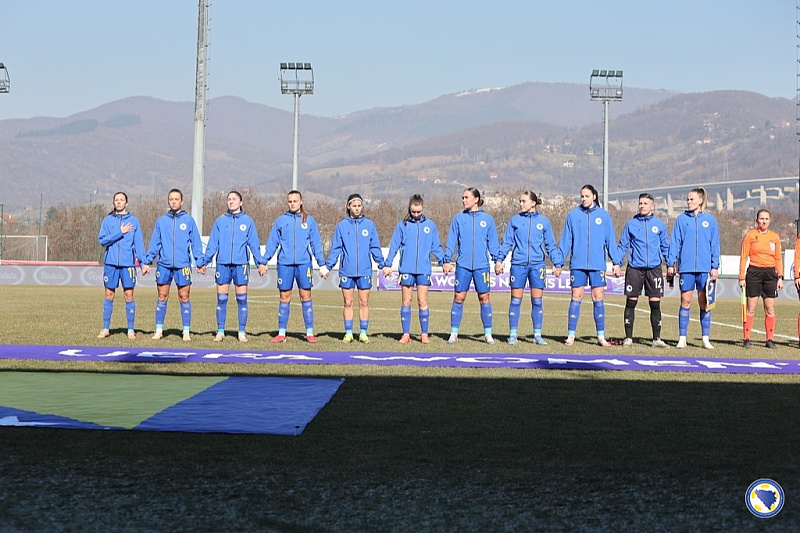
(70, 56)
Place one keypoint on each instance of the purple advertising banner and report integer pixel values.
(499, 283)
(607, 361)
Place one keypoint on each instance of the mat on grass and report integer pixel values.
(80, 400)
(677, 361)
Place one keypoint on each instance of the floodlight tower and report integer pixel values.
(5, 81)
(198, 167)
(296, 79)
(5, 86)
(605, 86)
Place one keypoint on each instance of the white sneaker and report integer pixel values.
(512, 339)
(539, 340)
(707, 345)
(103, 334)
(601, 341)
(681, 343)
(453, 338)
(186, 335)
(219, 337)
(570, 340)
(242, 337)
(489, 339)
(627, 342)
(158, 335)
(131, 334)
(658, 343)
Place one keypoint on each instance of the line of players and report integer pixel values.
(692, 254)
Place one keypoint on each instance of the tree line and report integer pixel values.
(72, 230)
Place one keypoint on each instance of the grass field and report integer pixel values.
(417, 449)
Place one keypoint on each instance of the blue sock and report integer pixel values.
(241, 304)
(222, 311)
(574, 315)
(283, 317)
(108, 308)
(405, 318)
(348, 326)
(599, 310)
(130, 313)
(705, 322)
(186, 314)
(363, 325)
(161, 313)
(514, 309)
(537, 315)
(424, 317)
(308, 316)
(456, 313)
(486, 318)
(683, 321)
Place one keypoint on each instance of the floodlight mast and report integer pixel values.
(5, 81)
(605, 86)
(198, 170)
(5, 86)
(296, 79)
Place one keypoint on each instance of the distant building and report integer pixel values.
(492, 175)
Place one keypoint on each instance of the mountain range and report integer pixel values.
(542, 136)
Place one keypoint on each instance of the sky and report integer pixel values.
(68, 57)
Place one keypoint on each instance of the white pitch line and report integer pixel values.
(548, 297)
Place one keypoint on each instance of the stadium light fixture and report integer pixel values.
(296, 79)
(5, 81)
(605, 86)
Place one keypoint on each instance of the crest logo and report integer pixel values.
(705, 223)
(242, 227)
(540, 227)
(598, 221)
(304, 225)
(654, 230)
(426, 230)
(483, 223)
(764, 498)
(365, 233)
(182, 227)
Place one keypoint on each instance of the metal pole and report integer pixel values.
(200, 116)
(605, 154)
(2, 229)
(296, 140)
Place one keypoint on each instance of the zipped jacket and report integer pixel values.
(294, 240)
(695, 243)
(588, 234)
(416, 240)
(233, 238)
(354, 241)
(527, 236)
(122, 249)
(175, 241)
(646, 236)
(473, 236)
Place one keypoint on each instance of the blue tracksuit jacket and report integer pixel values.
(587, 235)
(294, 240)
(354, 240)
(646, 236)
(695, 243)
(175, 241)
(416, 240)
(233, 238)
(474, 233)
(529, 235)
(122, 249)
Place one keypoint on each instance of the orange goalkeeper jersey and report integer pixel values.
(763, 250)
